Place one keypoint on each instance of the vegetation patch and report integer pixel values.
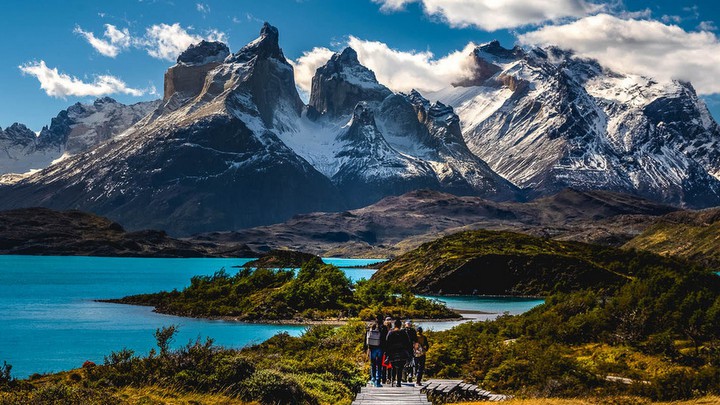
(507, 263)
(317, 292)
(656, 337)
(323, 366)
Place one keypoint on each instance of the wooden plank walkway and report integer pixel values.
(408, 394)
(433, 391)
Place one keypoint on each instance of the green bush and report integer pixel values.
(272, 387)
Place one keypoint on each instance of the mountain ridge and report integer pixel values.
(232, 145)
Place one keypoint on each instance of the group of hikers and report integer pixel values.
(395, 351)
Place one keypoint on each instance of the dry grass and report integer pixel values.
(158, 395)
(709, 400)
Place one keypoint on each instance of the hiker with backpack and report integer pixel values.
(398, 348)
(421, 347)
(374, 343)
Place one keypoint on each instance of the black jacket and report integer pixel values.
(398, 345)
(412, 334)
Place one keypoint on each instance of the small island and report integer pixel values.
(317, 292)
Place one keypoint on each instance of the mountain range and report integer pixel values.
(77, 129)
(231, 145)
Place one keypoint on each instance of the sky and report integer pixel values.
(57, 53)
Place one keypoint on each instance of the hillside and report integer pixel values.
(691, 235)
(506, 263)
(41, 231)
(398, 224)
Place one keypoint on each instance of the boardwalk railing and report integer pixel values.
(444, 391)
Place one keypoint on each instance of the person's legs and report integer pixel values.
(398, 367)
(384, 370)
(376, 365)
(420, 366)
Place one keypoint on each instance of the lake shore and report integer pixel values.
(307, 322)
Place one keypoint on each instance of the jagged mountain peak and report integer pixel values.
(497, 51)
(548, 119)
(204, 52)
(363, 115)
(103, 100)
(363, 127)
(342, 82)
(16, 134)
(348, 56)
(265, 46)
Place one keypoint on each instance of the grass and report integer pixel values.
(507, 263)
(693, 242)
(158, 395)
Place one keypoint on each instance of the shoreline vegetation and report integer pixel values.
(317, 293)
(648, 320)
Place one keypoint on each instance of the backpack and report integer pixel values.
(373, 338)
(419, 349)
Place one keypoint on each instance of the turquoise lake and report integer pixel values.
(50, 322)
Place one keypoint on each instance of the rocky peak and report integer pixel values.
(363, 128)
(342, 82)
(482, 69)
(18, 133)
(104, 100)
(203, 53)
(265, 46)
(498, 51)
(186, 79)
(348, 57)
(363, 115)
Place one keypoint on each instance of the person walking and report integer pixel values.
(421, 347)
(409, 371)
(373, 346)
(398, 344)
(387, 326)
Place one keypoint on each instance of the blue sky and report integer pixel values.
(674, 39)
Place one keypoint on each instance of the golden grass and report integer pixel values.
(164, 396)
(709, 400)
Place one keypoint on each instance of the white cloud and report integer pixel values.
(306, 65)
(117, 40)
(58, 84)
(644, 47)
(165, 41)
(399, 70)
(492, 15)
(203, 8)
(161, 41)
(707, 26)
(404, 71)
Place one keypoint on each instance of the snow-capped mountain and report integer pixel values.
(546, 120)
(231, 145)
(74, 130)
(373, 143)
(206, 159)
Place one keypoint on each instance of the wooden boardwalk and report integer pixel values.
(408, 394)
(432, 391)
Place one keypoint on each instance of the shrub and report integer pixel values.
(272, 387)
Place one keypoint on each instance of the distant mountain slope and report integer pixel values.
(395, 225)
(690, 235)
(506, 263)
(546, 120)
(78, 128)
(40, 231)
